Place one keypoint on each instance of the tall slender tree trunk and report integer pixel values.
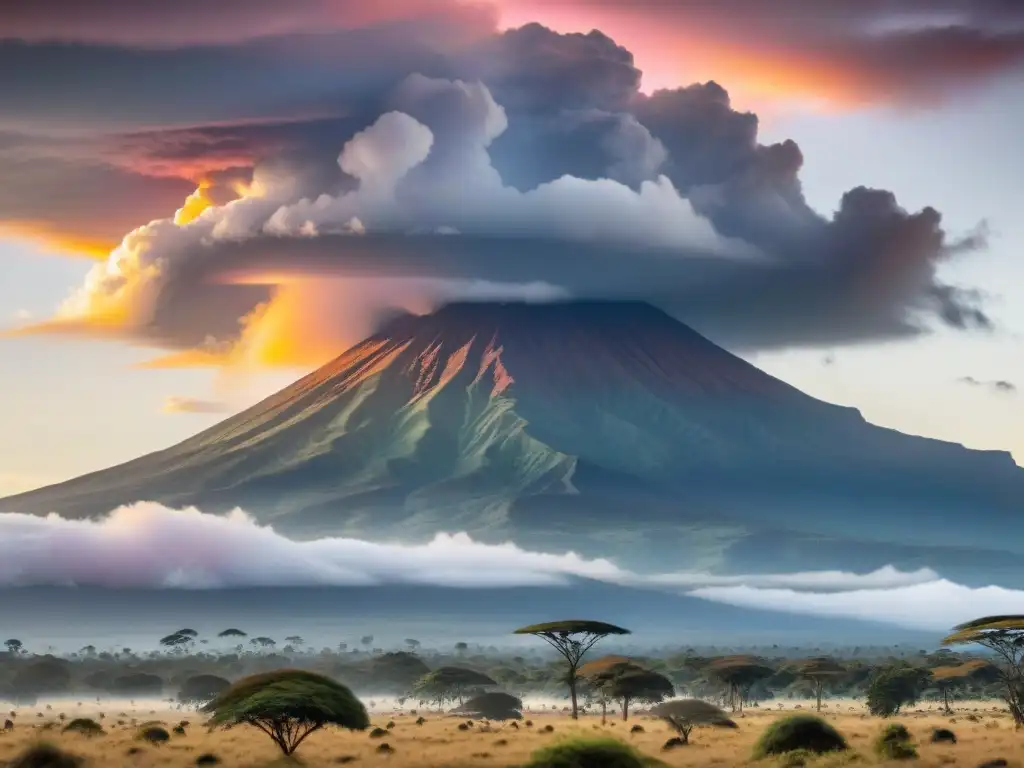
(818, 684)
(604, 711)
(625, 708)
(572, 694)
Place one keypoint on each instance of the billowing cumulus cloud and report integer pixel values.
(434, 158)
(150, 546)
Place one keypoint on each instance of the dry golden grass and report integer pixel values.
(439, 743)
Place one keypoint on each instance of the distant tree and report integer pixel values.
(295, 640)
(572, 638)
(200, 689)
(395, 672)
(232, 632)
(263, 642)
(175, 640)
(412, 643)
(45, 677)
(1004, 636)
(895, 686)
(627, 682)
(14, 646)
(366, 640)
(819, 670)
(493, 706)
(686, 714)
(951, 679)
(288, 705)
(342, 647)
(187, 633)
(450, 684)
(461, 648)
(739, 673)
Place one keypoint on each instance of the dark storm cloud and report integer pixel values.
(677, 200)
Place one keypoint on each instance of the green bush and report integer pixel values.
(44, 755)
(587, 753)
(154, 734)
(895, 743)
(789, 734)
(85, 726)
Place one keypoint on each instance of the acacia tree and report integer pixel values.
(686, 714)
(819, 670)
(450, 684)
(14, 646)
(572, 638)
(288, 705)
(1003, 635)
(628, 682)
(739, 673)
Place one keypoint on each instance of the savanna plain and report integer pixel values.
(984, 733)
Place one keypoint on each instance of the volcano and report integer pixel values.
(608, 428)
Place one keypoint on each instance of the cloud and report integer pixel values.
(147, 545)
(150, 546)
(1000, 386)
(178, 404)
(840, 50)
(544, 164)
(935, 605)
(721, 236)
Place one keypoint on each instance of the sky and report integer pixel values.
(201, 201)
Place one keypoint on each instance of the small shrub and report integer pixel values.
(998, 762)
(385, 749)
(207, 758)
(789, 734)
(943, 736)
(178, 730)
(587, 753)
(378, 733)
(84, 726)
(463, 727)
(345, 759)
(501, 743)
(420, 720)
(528, 723)
(45, 755)
(637, 729)
(672, 743)
(154, 734)
(390, 725)
(548, 729)
(895, 743)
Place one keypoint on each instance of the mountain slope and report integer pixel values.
(606, 427)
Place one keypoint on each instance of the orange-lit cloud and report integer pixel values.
(192, 405)
(836, 53)
(193, 206)
(543, 137)
(49, 235)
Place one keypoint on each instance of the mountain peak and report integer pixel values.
(604, 427)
